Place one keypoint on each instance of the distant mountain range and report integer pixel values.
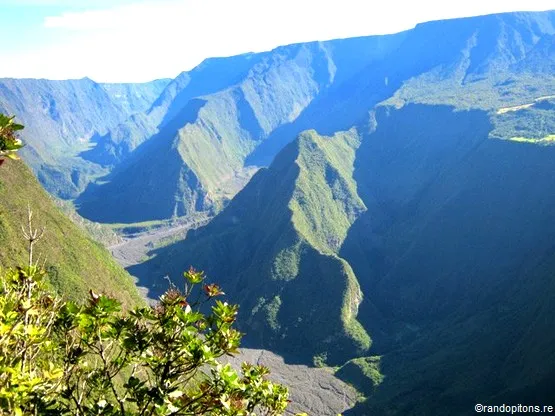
(61, 119)
(208, 122)
(196, 140)
(385, 204)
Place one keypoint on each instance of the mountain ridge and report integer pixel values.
(292, 248)
(290, 89)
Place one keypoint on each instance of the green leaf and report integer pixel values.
(194, 276)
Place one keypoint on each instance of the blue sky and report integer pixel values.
(140, 40)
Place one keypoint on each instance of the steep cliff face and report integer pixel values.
(454, 257)
(135, 97)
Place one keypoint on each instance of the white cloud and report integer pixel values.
(152, 39)
(63, 3)
(138, 15)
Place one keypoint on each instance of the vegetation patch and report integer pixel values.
(504, 110)
(547, 140)
(363, 373)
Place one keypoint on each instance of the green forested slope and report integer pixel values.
(74, 262)
(454, 258)
(276, 251)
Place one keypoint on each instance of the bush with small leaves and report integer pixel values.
(60, 358)
(29, 377)
(9, 142)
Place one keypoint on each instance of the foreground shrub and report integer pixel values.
(9, 142)
(61, 358)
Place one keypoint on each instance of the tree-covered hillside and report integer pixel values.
(66, 350)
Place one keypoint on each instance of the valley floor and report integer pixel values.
(135, 248)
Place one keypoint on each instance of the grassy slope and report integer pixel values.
(363, 373)
(75, 262)
(211, 76)
(325, 202)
